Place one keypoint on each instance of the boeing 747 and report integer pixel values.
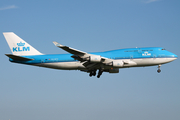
(108, 61)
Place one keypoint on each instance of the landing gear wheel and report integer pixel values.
(158, 70)
(94, 74)
(100, 73)
(98, 76)
(90, 74)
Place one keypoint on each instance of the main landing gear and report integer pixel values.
(93, 73)
(159, 70)
(99, 73)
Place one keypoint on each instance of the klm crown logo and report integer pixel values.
(20, 48)
(20, 44)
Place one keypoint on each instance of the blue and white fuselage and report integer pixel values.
(108, 61)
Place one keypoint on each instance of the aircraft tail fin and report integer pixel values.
(18, 46)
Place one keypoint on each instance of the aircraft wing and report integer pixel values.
(70, 50)
(80, 55)
(91, 61)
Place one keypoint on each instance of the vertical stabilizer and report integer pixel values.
(18, 46)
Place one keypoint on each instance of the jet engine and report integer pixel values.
(117, 63)
(94, 58)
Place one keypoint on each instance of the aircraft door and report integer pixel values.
(42, 60)
(139, 51)
(154, 56)
(131, 56)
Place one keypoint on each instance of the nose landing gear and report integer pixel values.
(159, 70)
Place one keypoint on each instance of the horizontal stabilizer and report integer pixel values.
(19, 58)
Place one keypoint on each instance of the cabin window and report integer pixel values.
(131, 51)
(163, 49)
(147, 50)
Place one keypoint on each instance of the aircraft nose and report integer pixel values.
(176, 56)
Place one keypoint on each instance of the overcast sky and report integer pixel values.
(34, 93)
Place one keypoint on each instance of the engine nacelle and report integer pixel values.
(95, 58)
(117, 63)
(114, 70)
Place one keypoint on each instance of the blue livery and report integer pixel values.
(108, 61)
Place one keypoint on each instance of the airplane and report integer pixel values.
(108, 61)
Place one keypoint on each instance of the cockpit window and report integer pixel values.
(163, 49)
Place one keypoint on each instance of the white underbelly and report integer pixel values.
(152, 61)
(63, 65)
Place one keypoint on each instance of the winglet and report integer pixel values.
(57, 44)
